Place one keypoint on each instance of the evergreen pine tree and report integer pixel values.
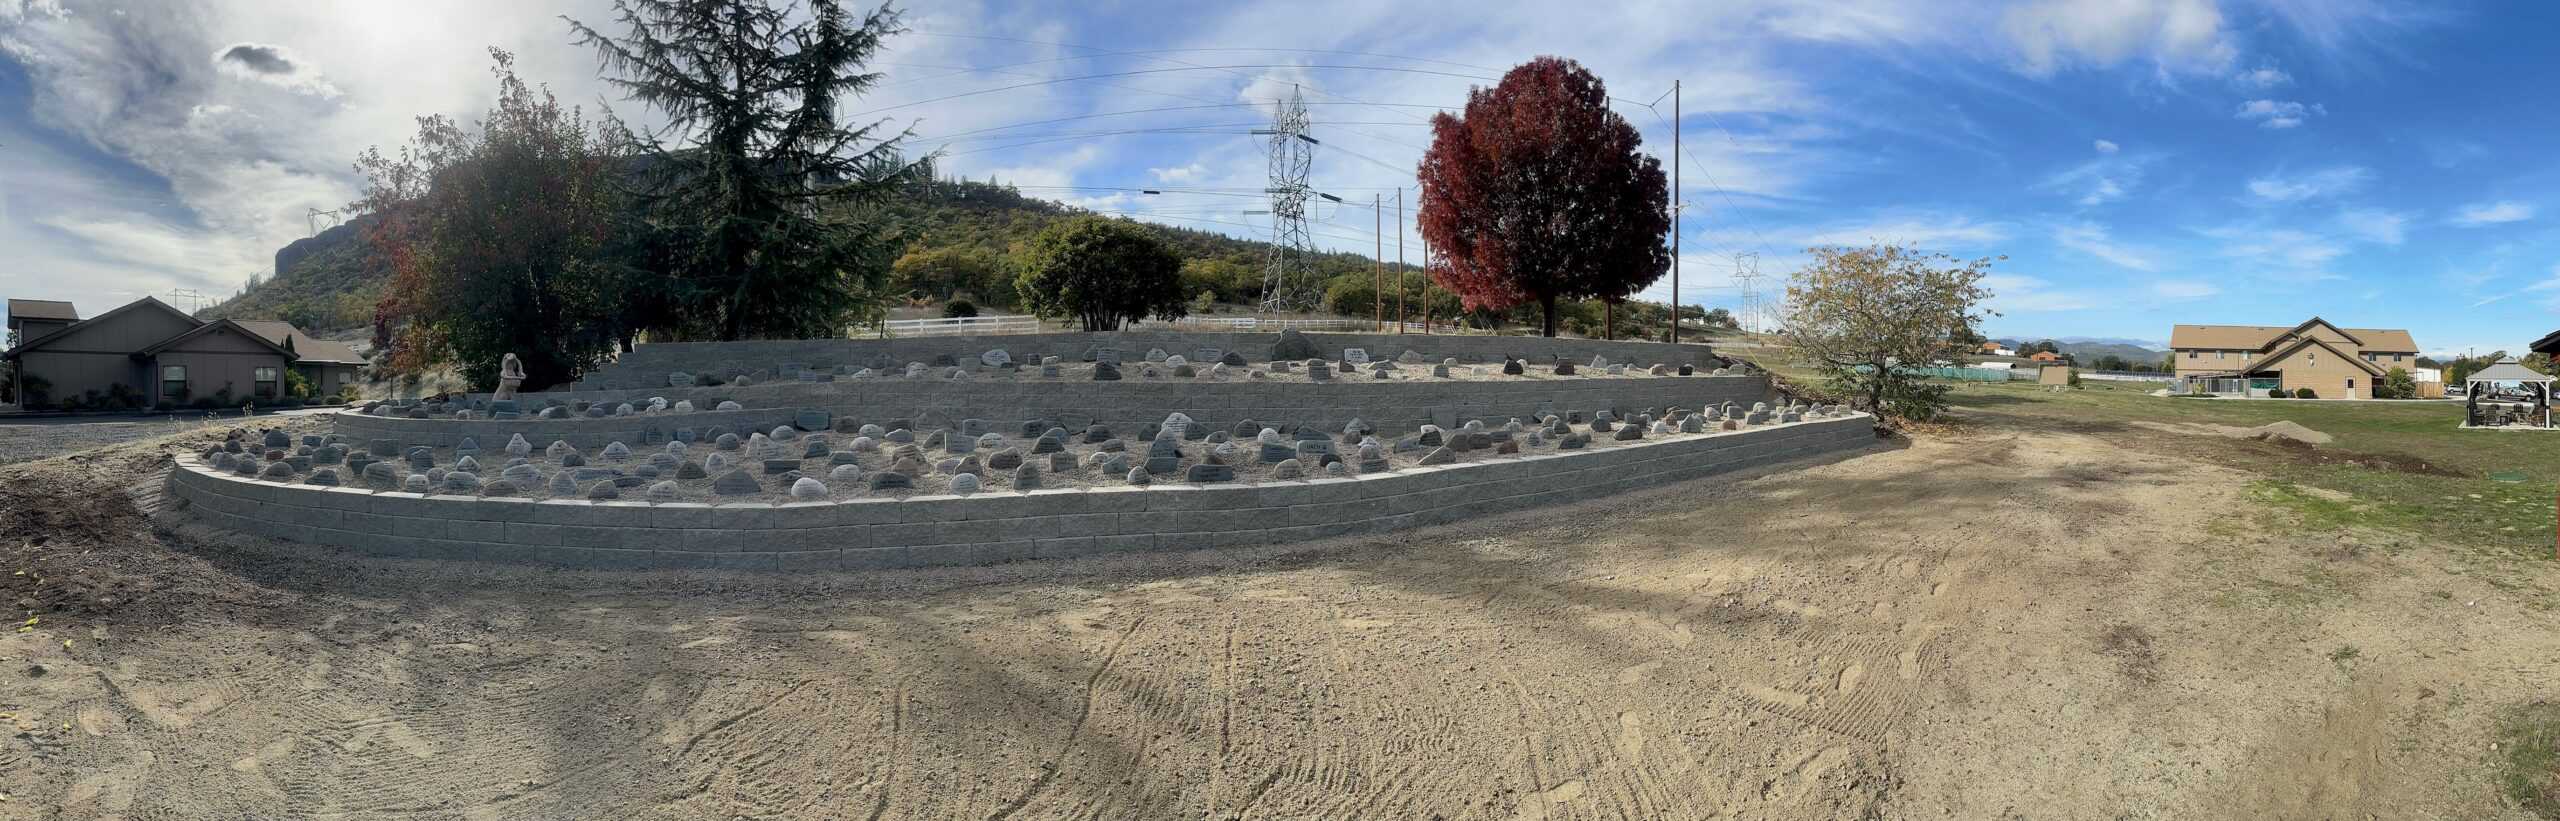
(761, 207)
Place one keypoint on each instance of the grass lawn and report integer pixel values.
(2393, 468)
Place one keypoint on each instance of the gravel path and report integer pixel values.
(31, 439)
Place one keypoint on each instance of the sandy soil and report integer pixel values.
(2033, 625)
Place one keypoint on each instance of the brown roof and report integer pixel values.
(43, 309)
(75, 327)
(2257, 337)
(210, 327)
(305, 346)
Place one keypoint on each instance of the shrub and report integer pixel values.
(295, 384)
(204, 403)
(959, 309)
(2305, 393)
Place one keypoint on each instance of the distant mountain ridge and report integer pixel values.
(2087, 349)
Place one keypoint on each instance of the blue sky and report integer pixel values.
(2139, 162)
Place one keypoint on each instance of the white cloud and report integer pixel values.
(2184, 289)
(2282, 253)
(2092, 239)
(1930, 232)
(2322, 183)
(2108, 178)
(2107, 147)
(2107, 190)
(2278, 114)
(2263, 78)
(2373, 224)
(2493, 213)
(2176, 36)
(1187, 173)
(2014, 293)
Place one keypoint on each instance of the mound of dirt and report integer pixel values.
(2282, 433)
(2290, 431)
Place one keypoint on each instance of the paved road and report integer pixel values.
(30, 439)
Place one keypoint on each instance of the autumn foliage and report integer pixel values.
(1537, 193)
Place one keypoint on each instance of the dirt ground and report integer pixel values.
(1976, 625)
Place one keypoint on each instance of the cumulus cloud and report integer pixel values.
(2178, 36)
(2278, 114)
(274, 65)
(2493, 213)
(2108, 147)
(2322, 183)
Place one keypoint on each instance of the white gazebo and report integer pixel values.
(2507, 395)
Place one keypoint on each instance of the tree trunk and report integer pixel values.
(1608, 319)
(1547, 305)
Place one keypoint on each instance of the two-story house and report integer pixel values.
(2334, 362)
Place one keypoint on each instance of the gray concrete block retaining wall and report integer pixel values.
(882, 533)
(647, 366)
(586, 434)
(1394, 406)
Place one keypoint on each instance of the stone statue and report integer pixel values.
(510, 375)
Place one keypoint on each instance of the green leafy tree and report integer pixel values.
(1232, 282)
(2397, 383)
(763, 208)
(1103, 272)
(1858, 315)
(941, 274)
(500, 240)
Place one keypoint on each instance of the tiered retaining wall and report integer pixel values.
(883, 533)
(647, 366)
(1126, 405)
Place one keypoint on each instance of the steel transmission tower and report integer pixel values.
(1288, 282)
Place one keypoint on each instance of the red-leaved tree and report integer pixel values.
(1538, 194)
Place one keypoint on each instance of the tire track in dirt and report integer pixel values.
(1075, 731)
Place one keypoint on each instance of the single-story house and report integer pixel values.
(2251, 360)
(149, 354)
(2045, 356)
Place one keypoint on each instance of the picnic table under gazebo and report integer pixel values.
(2507, 395)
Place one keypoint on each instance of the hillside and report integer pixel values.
(329, 282)
(324, 283)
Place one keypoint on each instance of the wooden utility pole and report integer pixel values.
(1675, 212)
(1399, 259)
(1378, 272)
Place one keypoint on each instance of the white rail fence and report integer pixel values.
(1021, 324)
(1252, 323)
(956, 326)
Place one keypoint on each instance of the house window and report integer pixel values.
(173, 384)
(2191, 354)
(265, 379)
